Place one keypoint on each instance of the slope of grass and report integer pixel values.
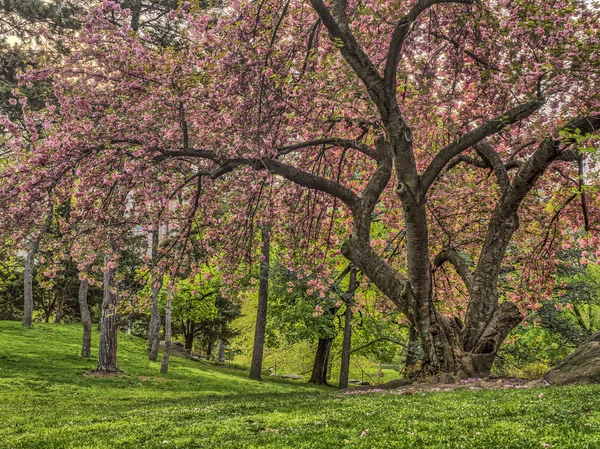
(47, 402)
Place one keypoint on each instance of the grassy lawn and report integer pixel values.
(47, 402)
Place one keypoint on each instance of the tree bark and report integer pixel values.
(34, 244)
(347, 342)
(414, 353)
(154, 329)
(109, 322)
(319, 371)
(261, 312)
(164, 366)
(189, 337)
(221, 351)
(59, 308)
(86, 318)
(209, 349)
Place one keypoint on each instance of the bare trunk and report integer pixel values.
(319, 371)
(109, 322)
(86, 318)
(164, 366)
(34, 244)
(59, 308)
(189, 339)
(261, 312)
(154, 329)
(221, 351)
(209, 349)
(157, 282)
(347, 343)
(28, 284)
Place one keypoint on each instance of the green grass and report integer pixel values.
(47, 402)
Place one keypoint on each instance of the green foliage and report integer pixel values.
(293, 314)
(47, 402)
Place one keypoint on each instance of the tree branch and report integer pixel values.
(472, 137)
(460, 265)
(343, 143)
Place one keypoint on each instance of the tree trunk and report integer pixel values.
(189, 339)
(221, 351)
(154, 329)
(261, 312)
(319, 371)
(86, 318)
(34, 244)
(209, 349)
(164, 366)
(59, 308)
(347, 343)
(414, 353)
(109, 322)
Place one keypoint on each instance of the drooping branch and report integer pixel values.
(472, 55)
(343, 143)
(469, 139)
(459, 263)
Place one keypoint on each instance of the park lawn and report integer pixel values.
(47, 402)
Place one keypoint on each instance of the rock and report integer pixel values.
(292, 376)
(581, 367)
(396, 383)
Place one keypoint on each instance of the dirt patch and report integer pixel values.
(93, 373)
(401, 386)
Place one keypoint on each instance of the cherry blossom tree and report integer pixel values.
(393, 115)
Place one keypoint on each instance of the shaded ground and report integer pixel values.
(47, 402)
(435, 385)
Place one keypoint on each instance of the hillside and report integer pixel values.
(46, 401)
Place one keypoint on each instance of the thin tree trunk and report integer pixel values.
(109, 322)
(59, 308)
(86, 318)
(209, 349)
(189, 339)
(347, 343)
(221, 351)
(319, 371)
(154, 329)
(34, 244)
(261, 312)
(164, 367)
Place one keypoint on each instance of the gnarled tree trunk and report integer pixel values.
(261, 310)
(109, 322)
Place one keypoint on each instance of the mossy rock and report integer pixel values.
(581, 367)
